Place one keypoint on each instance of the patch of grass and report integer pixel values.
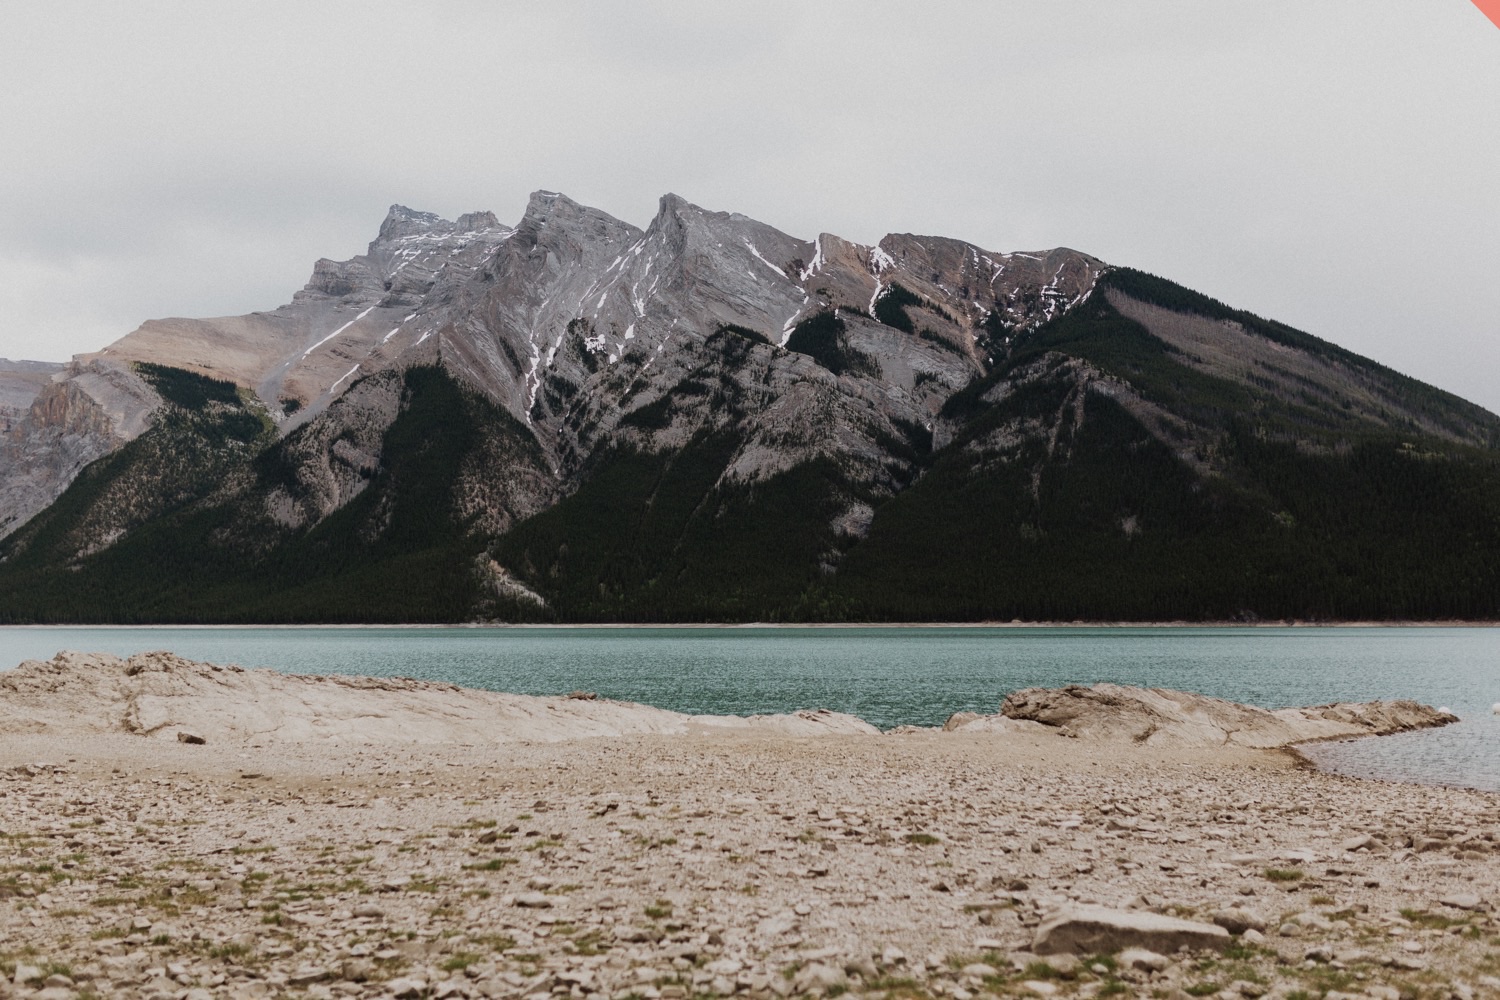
(591, 943)
(495, 942)
(492, 865)
(921, 839)
(660, 910)
(1201, 989)
(1324, 978)
(1432, 921)
(460, 961)
(651, 843)
(1283, 875)
(899, 988)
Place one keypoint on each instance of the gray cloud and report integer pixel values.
(1327, 164)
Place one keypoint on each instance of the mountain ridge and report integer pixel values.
(760, 416)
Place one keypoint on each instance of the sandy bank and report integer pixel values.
(163, 695)
(166, 696)
(700, 861)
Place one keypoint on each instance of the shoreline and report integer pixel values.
(299, 705)
(732, 626)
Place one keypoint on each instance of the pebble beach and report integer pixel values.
(732, 862)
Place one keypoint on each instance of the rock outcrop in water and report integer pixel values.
(1158, 717)
(164, 696)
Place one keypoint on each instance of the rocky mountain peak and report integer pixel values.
(549, 210)
(402, 221)
(475, 222)
(674, 216)
(549, 206)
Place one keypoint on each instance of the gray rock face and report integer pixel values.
(54, 420)
(353, 317)
(20, 383)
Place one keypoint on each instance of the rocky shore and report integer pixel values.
(1086, 842)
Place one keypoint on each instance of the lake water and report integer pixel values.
(891, 676)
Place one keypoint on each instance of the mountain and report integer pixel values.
(575, 419)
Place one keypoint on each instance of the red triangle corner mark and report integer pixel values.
(1491, 9)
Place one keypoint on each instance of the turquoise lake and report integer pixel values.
(891, 676)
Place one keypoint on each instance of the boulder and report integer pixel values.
(1142, 960)
(1237, 920)
(1092, 930)
(958, 719)
(819, 977)
(1463, 901)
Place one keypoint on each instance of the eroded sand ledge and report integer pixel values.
(347, 836)
(160, 694)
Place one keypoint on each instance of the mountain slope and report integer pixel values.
(1104, 474)
(706, 419)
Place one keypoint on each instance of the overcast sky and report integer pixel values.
(1334, 164)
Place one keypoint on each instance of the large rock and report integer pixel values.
(1159, 717)
(168, 697)
(1092, 930)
